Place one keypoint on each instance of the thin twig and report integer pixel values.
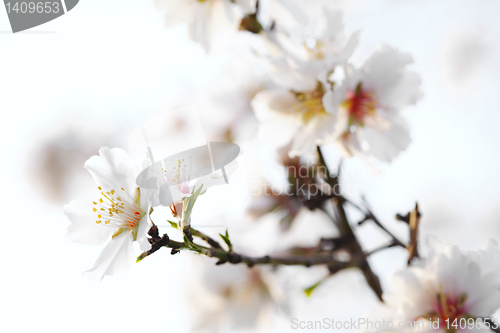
(370, 216)
(235, 258)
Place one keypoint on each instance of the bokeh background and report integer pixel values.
(90, 77)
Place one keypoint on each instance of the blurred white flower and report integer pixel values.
(286, 116)
(58, 153)
(280, 11)
(368, 101)
(297, 57)
(119, 215)
(297, 111)
(450, 285)
(233, 297)
(209, 21)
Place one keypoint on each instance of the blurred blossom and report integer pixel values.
(296, 111)
(463, 55)
(57, 159)
(209, 21)
(233, 298)
(119, 215)
(280, 11)
(368, 103)
(451, 284)
(298, 55)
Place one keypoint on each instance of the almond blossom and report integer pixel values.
(118, 214)
(209, 21)
(368, 103)
(452, 284)
(297, 111)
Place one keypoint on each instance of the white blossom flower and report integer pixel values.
(450, 285)
(368, 102)
(297, 111)
(209, 21)
(298, 56)
(118, 215)
(287, 117)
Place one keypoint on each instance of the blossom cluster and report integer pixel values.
(316, 95)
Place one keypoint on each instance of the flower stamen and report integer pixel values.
(310, 104)
(117, 213)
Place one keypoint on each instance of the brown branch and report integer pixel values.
(414, 223)
(235, 258)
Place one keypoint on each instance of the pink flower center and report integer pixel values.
(447, 307)
(180, 176)
(359, 103)
(450, 307)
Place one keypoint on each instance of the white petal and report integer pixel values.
(248, 6)
(272, 104)
(116, 257)
(384, 68)
(274, 110)
(113, 169)
(348, 143)
(386, 74)
(312, 134)
(176, 11)
(214, 21)
(349, 47)
(142, 234)
(83, 228)
(199, 28)
(280, 7)
(406, 93)
(386, 145)
(329, 102)
(264, 15)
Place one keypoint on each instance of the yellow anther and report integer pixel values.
(107, 222)
(95, 203)
(99, 215)
(123, 189)
(102, 209)
(112, 192)
(98, 222)
(100, 188)
(118, 198)
(94, 209)
(100, 200)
